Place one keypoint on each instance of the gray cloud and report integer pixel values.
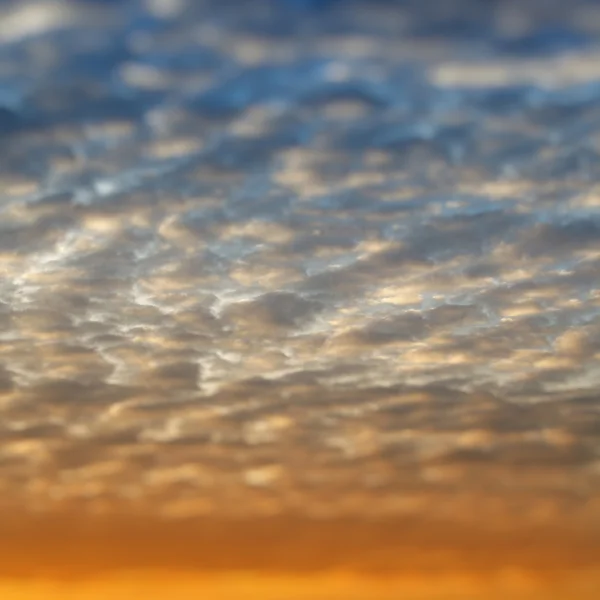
(252, 265)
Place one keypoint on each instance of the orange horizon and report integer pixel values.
(295, 558)
(512, 584)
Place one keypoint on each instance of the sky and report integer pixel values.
(320, 259)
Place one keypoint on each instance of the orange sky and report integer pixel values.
(283, 559)
(508, 583)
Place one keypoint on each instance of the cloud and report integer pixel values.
(314, 274)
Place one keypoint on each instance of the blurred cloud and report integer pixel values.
(350, 256)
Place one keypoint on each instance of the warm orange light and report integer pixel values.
(330, 586)
(285, 559)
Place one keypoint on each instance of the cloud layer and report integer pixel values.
(318, 265)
